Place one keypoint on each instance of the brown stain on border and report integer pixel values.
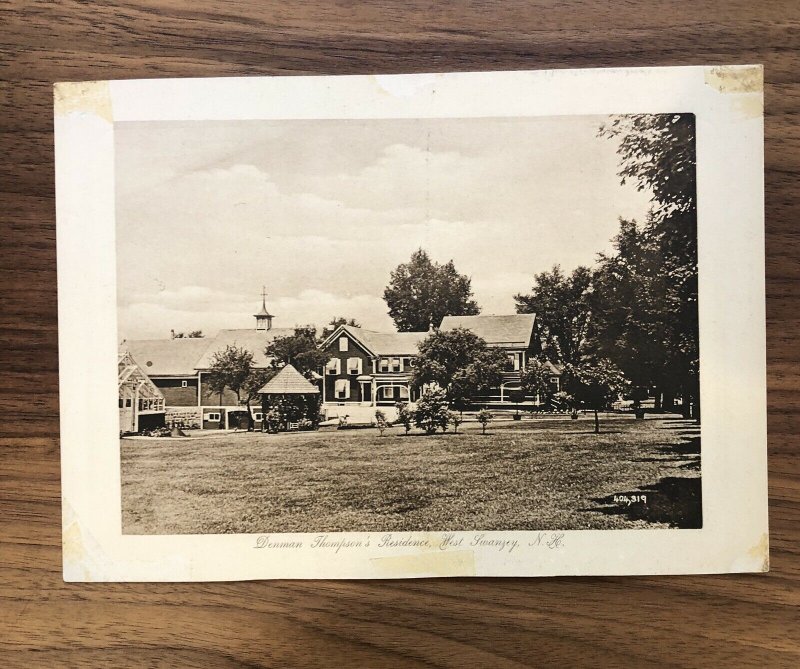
(83, 97)
(445, 563)
(761, 552)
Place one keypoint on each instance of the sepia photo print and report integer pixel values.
(408, 324)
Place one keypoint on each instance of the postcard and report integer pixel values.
(462, 324)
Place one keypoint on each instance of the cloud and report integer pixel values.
(321, 212)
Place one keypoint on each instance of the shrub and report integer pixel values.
(456, 419)
(380, 421)
(273, 419)
(484, 417)
(404, 415)
(432, 413)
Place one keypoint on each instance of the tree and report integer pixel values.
(335, 322)
(252, 384)
(484, 417)
(535, 380)
(230, 368)
(658, 152)
(432, 413)
(460, 362)
(563, 315)
(422, 292)
(299, 350)
(595, 385)
(192, 334)
(404, 415)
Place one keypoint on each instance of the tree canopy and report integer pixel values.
(563, 314)
(421, 292)
(595, 385)
(659, 260)
(299, 350)
(460, 362)
(335, 322)
(230, 368)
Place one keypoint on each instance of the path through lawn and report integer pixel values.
(527, 475)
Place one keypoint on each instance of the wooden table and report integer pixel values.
(709, 621)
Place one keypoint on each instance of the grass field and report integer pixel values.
(526, 475)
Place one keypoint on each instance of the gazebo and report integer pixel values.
(293, 395)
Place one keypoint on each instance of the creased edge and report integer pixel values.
(83, 97)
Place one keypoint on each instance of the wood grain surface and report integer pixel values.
(749, 620)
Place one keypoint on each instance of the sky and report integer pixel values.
(321, 211)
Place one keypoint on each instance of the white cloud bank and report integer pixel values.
(321, 212)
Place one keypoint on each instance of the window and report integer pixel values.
(513, 362)
(344, 344)
(121, 402)
(354, 365)
(334, 366)
(342, 389)
(402, 393)
(214, 416)
(184, 384)
(409, 362)
(128, 403)
(384, 364)
(258, 416)
(396, 365)
(388, 392)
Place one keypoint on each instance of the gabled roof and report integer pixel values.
(381, 343)
(289, 381)
(167, 357)
(131, 376)
(511, 331)
(251, 340)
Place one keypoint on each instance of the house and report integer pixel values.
(369, 368)
(141, 403)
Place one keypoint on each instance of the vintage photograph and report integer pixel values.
(408, 324)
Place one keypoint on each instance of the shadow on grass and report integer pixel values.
(675, 501)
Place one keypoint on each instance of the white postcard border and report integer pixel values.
(727, 102)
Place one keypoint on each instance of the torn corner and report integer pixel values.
(736, 78)
(83, 97)
(455, 563)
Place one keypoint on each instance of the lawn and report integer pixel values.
(533, 474)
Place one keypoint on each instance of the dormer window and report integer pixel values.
(344, 344)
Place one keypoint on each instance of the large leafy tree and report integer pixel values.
(595, 385)
(535, 380)
(421, 292)
(460, 362)
(230, 369)
(657, 152)
(299, 350)
(563, 313)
